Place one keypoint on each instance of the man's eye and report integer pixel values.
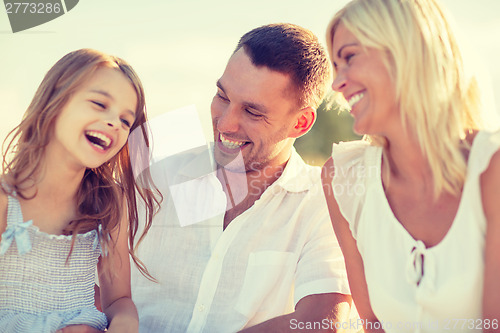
(222, 97)
(253, 114)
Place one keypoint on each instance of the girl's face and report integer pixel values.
(365, 83)
(95, 123)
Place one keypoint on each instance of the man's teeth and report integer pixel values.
(354, 99)
(230, 144)
(98, 139)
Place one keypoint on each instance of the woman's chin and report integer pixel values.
(359, 128)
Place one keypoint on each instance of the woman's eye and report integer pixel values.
(348, 57)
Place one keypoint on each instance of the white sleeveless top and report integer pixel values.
(413, 288)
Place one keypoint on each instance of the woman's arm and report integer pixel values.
(353, 260)
(116, 297)
(490, 193)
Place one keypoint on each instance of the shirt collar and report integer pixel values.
(297, 176)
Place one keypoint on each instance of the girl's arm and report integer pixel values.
(116, 297)
(490, 193)
(3, 212)
(353, 260)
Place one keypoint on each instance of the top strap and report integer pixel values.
(14, 213)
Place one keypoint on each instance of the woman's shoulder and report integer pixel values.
(350, 147)
(490, 179)
(343, 154)
(348, 171)
(353, 157)
(490, 153)
(484, 138)
(484, 151)
(494, 164)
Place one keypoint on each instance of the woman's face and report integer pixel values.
(366, 84)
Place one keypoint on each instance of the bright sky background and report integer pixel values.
(180, 48)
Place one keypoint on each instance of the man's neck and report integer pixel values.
(243, 189)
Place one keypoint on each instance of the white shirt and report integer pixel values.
(413, 288)
(280, 250)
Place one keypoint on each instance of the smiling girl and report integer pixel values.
(68, 199)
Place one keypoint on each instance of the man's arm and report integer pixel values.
(319, 312)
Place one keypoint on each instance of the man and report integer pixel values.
(246, 243)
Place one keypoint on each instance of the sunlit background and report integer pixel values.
(180, 48)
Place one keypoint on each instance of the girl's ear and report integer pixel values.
(305, 119)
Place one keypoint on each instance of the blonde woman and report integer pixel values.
(415, 206)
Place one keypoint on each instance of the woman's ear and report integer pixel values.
(305, 119)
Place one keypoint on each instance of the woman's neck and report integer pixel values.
(404, 161)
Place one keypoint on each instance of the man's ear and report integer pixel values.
(304, 120)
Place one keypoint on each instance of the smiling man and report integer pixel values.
(245, 243)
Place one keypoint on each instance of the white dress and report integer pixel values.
(413, 288)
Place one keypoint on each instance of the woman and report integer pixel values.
(414, 205)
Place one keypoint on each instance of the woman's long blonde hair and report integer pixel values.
(438, 102)
(100, 197)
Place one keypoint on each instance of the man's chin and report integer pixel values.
(231, 162)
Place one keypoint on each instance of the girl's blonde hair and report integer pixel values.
(100, 197)
(438, 102)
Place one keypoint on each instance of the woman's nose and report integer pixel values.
(339, 81)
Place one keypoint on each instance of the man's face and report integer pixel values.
(253, 112)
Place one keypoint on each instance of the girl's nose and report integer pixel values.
(113, 120)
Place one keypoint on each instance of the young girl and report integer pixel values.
(68, 199)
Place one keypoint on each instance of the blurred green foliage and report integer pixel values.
(332, 125)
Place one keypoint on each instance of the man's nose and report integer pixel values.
(229, 120)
